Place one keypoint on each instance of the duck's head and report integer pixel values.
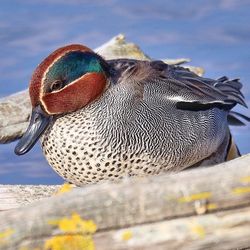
(67, 80)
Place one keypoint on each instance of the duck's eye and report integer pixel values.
(56, 85)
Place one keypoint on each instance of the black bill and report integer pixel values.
(38, 123)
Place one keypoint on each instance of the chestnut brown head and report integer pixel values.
(67, 80)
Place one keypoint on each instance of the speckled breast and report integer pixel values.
(78, 153)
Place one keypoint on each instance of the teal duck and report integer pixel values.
(108, 119)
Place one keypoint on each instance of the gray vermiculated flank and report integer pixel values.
(134, 128)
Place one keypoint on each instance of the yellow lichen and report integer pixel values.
(70, 242)
(198, 230)
(193, 197)
(66, 187)
(5, 235)
(245, 179)
(127, 235)
(76, 234)
(211, 206)
(241, 190)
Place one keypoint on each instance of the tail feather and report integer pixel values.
(223, 92)
(233, 118)
(232, 88)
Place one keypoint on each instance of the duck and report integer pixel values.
(101, 120)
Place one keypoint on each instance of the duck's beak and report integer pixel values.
(38, 123)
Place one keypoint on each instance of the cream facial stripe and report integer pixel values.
(68, 85)
(44, 77)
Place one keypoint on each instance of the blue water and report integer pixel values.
(215, 34)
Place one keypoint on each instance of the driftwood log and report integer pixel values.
(206, 208)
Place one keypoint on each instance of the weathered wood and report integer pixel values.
(14, 115)
(142, 201)
(222, 230)
(13, 196)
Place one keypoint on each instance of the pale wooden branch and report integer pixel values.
(222, 230)
(159, 208)
(14, 115)
(14, 196)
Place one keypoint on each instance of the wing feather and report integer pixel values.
(188, 90)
